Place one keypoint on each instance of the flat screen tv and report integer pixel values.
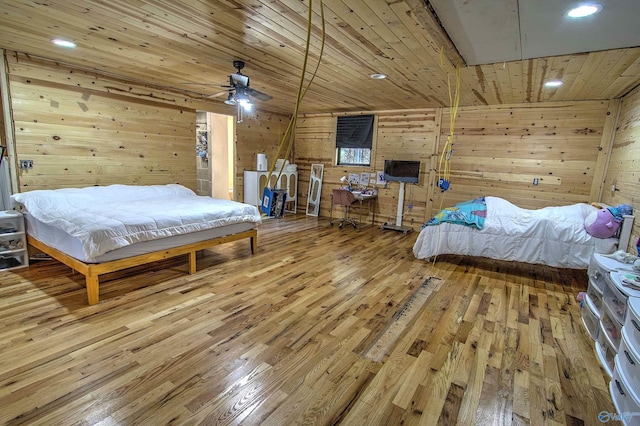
(401, 171)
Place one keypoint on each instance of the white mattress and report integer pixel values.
(99, 223)
(553, 236)
(72, 246)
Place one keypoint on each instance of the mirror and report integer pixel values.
(315, 187)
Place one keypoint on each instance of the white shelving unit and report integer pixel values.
(13, 241)
(255, 181)
(611, 314)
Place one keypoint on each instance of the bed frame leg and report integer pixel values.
(93, 289)
(254, 244)
(192, 262)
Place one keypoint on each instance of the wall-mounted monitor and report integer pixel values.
(401, 171)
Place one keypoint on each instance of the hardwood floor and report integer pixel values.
(321, 326)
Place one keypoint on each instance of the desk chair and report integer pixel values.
(344, 198)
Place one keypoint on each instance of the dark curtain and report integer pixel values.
(354, 131)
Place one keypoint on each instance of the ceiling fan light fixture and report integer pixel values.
(230, 99)
(584, 10)
(241, 95)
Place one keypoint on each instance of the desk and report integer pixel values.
(369, 198)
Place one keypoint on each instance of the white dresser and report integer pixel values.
(254, 182)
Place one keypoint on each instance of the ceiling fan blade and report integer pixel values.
(203, 84)
(256, 94)
(215, 95)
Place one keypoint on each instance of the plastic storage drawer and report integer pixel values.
(595, 294)
(628, 364)
(626, 406)
(605, 350)
(13, 241)
(13, 260)
(589, 319)
(599, 267)
(632, 322)
(610, 328)
(615, 299)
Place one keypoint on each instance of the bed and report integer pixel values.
(101, 229)
(553, 236)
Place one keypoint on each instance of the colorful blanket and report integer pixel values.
(469, 213)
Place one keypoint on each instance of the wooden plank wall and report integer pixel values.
(400, 135)
(623, 171)
(498, 150)
(406, 136)
(83, 128)
(315, 143)
(77, 135)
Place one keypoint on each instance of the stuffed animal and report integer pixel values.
(604, 223)
(624, 209)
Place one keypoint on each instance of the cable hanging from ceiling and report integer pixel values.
(444, 165)
(289, 134)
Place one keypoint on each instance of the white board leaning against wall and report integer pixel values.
(315, 188)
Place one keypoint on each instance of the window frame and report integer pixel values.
(341, 162)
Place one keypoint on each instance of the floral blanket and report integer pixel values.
(469, 213)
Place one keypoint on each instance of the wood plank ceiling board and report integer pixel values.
(189, 47)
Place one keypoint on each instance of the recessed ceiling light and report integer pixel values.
(584, 10)
(553, 83)
(63, 43)
(378, 76)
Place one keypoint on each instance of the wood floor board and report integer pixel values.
(283, 337)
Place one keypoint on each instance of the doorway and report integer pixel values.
(215, 153)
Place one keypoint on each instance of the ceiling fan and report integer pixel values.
(239, 90)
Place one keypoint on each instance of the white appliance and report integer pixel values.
(261, 162)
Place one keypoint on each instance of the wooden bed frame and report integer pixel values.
(92, 271)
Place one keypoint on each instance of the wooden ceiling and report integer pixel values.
(171, 44)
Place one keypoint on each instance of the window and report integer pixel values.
(354, 136)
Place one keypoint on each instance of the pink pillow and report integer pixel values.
(601, 224)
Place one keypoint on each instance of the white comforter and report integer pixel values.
(553, 236)
(105, 218)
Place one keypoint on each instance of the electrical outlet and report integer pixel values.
(26, 164)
